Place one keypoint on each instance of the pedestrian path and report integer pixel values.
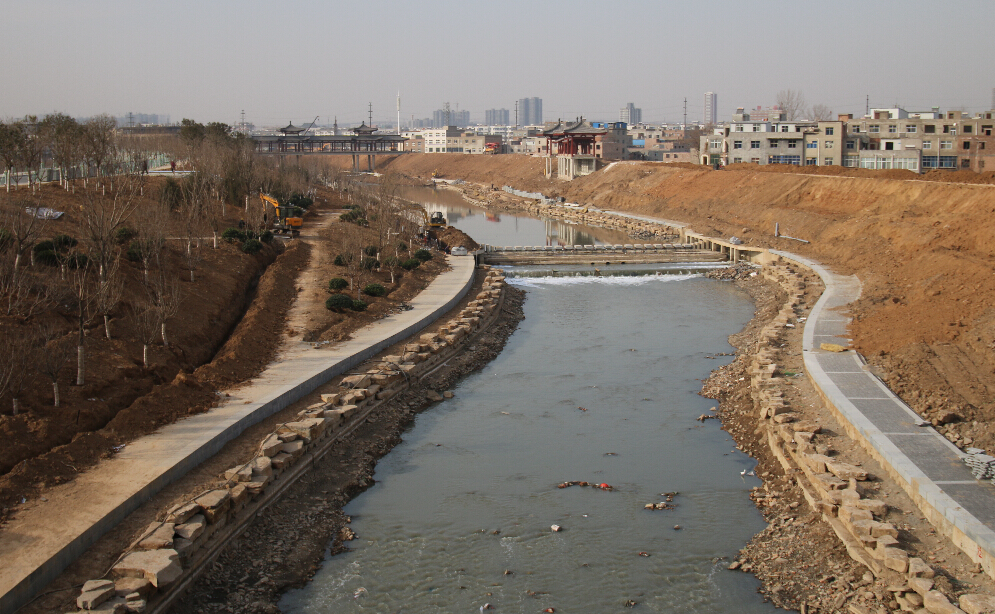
(924, 462)
(38, 544)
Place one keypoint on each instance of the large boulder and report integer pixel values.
(160, 567)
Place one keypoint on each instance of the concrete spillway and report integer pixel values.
(598, 254)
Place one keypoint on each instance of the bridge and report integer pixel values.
(294, 140)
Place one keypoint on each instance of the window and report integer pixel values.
(754, 160)
(756, 127)
(773, 143)
(910, 129)
(796, 160)
(874, 128)
(967, 129)
(829, 131)
(828, 144)
(851, 145)
(784, 128)
(965, 163)
(811, 145)
(929, 129)
(967, 144)
(734, 160)
(927, 144)
(889, 145)
(792, 144)
(754, 144)
(714, 143)
(946, 129)
(739, 128)
(946, 144)
(809, 161)
(855, 129)
(827, 162)
(737, 144)
(892, 128)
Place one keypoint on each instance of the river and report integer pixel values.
(598, 384)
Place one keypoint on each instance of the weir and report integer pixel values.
(599, 254)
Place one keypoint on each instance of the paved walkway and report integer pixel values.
(37, 544)
(929, 467)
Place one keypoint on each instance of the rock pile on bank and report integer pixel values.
(166, 551)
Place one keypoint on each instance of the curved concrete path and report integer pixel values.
(36, 545)
(930, 468)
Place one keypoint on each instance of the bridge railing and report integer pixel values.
(618, 248)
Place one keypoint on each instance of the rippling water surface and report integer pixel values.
(472, 491)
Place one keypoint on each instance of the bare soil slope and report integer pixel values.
(921, 245)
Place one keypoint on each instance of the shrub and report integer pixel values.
(77, 261)
(424, 255)
(300, 200)
(47, 257)
(371, 264)
(63, 242)
(233, 234)
(266, 236)
(390, 262)
(338, 301)
(337, 283)
(171, 193)
(124, 234)
(43, 246)
(411, 264)
(402, 246)
(252, 246)
(339, 260)
(374, 290)
(134, 253)
(359, 305)
(370, 250)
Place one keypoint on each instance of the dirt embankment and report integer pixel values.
(921, 246)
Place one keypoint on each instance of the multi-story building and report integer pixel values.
(454, 140)
(710, 116)
(630, 115)
(658, 143)
(497, 117)
(529, 112)
(774, 140)
(896, 138)
(442, 118)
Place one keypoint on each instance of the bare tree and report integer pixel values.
(55, 350)
(64, 137)
(83, 287)
(22, 227)
(792, 102)
(163, 294)
(102, 215)
(99, 141)
(15, 358)
(12, 137)
(109, 294)
(31, 150)
(146, 324)
(821, 113)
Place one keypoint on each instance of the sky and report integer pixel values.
(293, 60)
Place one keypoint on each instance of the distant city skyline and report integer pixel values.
(210, 61)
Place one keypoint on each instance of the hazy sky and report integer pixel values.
(295, 59)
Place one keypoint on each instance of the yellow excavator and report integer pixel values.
(286, 218)
(437, 220)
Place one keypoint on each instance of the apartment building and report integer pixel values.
(454, 140)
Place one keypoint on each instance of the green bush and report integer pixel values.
(47, 257)
(251, 246)
(374, 290)
(43, 246)
(371, 264)
(64, 242)
(338, 301)
(411, 264)
(359, 305)
(424, 255)
(134, 252)
(233, 234)
(402, 246)
(337, 283)
(124, 234)
(266, 236)
(339, 260)
(300, 200)
(370, 250)
(390, 262)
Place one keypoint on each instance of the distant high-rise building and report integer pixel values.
(460, 119)
(530, 112)
(630, 114)
(497, 117)
(993, 98)
(711, 112)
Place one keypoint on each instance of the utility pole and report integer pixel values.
(516, 115)
(684, 126)
(243, 121)
(445, 114)
(398, 112)
(371, 116)
(131, 123)
(867, 108)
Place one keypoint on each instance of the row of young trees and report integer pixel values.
(75, 148)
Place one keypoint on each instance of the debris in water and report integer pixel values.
(644, 554)
(556, 528)
(582, 408)
(359, 591)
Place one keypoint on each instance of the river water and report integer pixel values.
(598, 384)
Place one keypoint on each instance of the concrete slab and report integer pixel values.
(35, 547)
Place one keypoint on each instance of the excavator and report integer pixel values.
(286, 218)
(437, 220)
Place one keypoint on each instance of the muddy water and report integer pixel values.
(598, 384)
(503, 228)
